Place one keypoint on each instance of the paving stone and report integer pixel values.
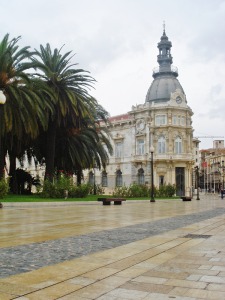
(24, 258)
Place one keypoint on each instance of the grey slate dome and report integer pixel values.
(165, 77)
(162, 87)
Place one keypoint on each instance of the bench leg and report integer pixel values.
(117, 202)
(106, 202)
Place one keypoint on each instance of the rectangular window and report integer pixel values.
(178, 146)
(160, 120)
(161, 145)
(182, 121)
(174, 120)
(162, 148)
(178, 120)
(140, 147)
(118, 149)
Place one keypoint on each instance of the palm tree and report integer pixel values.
(95, 148)
(72, 103)
(24, 110)
(13, 79)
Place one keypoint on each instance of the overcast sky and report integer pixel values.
(116, 41)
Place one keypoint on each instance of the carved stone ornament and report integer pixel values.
(140, 125)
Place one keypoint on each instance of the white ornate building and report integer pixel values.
(164, 121)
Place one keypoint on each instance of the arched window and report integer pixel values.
(104, 179)
(161, 145)
(178, 145)
(141, 176)
(161, 180)
(119, 179)
(91, 178)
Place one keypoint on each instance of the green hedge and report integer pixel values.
(4, 187)
(63, 187)
(138, 190)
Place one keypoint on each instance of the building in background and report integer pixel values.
(164, 121)
(212, 168)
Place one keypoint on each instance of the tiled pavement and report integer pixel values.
(140, 250)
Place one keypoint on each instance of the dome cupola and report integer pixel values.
(165, 76)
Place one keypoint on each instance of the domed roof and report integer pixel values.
(162, 87)
(165, 76)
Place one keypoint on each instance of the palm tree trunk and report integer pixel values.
(79, 176)
(50, 152)
(12, 173)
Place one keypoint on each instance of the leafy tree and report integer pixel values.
(71, 131)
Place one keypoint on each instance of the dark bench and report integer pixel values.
(186, 198)
(107, 201)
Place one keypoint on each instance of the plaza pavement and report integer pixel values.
(169, 249)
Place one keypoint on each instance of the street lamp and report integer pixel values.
(2, 101)
(222, 172)
(197, 181)
(152, 175)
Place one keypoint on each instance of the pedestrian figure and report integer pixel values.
(221, 193)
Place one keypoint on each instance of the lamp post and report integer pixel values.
(152, 199)
(223, 172)
(222, 167)
(2, 102)
(197, 181)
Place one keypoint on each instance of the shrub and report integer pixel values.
(57, 188)
(142, 190)
(138, 190)
(49, 190)
(61, 184)
(162, 191)
(134, 190)
(166, 190)
(4, 187)
(80, 191)
(99, 189)
(170, 190)
(121, 192)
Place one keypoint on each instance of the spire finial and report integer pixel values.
(164, 27)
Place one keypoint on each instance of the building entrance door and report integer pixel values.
(180, 181)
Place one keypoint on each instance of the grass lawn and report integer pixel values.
(37, 198)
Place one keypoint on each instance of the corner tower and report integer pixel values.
(165, 75)
(163, 122)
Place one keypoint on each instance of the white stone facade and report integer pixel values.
(164, 121)
(165, 126)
